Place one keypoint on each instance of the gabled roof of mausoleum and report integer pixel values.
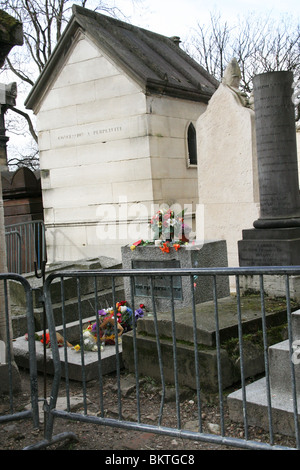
(155, 61)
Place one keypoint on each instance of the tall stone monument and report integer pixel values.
(227, 164)
(275, 238)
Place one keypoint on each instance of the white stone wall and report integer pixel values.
(173, 178)
(227, 171)
(175, 182)
(93, 150)
(107, 154)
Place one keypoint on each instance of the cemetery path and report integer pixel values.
(16, 435)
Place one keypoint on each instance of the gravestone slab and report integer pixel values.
(211, 254)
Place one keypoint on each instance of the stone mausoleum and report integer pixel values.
(116, 109)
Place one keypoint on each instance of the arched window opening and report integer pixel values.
(192, 145)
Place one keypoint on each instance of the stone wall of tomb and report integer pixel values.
(108, 153)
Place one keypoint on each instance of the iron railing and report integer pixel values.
(25, 246)
(88, 303)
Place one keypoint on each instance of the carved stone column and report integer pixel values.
(276, 151)
(275, 239)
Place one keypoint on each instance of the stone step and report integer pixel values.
(87, 306)
(108, 360)
(280, 363)
(70, 291)
(280, 369)
(87, 284)
(257, 408)
(205, 320)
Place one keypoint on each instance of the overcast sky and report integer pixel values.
(178, 17)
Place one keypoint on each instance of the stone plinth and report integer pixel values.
(212, 254)
(206, 335)
(270, 247)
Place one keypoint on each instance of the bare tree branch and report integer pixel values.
(43, 23)
(27, 117)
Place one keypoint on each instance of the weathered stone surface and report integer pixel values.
(229, 194)
(212, 254)
(275, 239)
(276, 151)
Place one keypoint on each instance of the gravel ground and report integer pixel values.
(16, 435)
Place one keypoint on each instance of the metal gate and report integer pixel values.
(90, 285)
(25, 246)
(9, 374)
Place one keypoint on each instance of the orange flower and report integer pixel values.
(47, 339)
(165, 248)
(176, 246)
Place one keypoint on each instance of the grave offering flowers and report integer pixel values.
(169, 230)
(166, 225)
(59, 338)
(105, 327)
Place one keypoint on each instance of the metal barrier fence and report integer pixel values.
(87, 303)
(10, 379)
(25, 246)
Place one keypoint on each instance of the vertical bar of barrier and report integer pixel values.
(32, 357)
(266, 357)
(50, 408)
(196, 354)
(135, 351)
(240, 335)
(117, 347)
(8, 346)
(161, 369)
(81, 345)
(219, 367)
(62, 295)
(99, 349)
(175, 355)
(293, 378)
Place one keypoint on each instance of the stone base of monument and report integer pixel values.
(207, 255)
(274, 286)
(148, 362)
(270, 247)
(281, 391)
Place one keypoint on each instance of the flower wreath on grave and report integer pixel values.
(105, 327)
